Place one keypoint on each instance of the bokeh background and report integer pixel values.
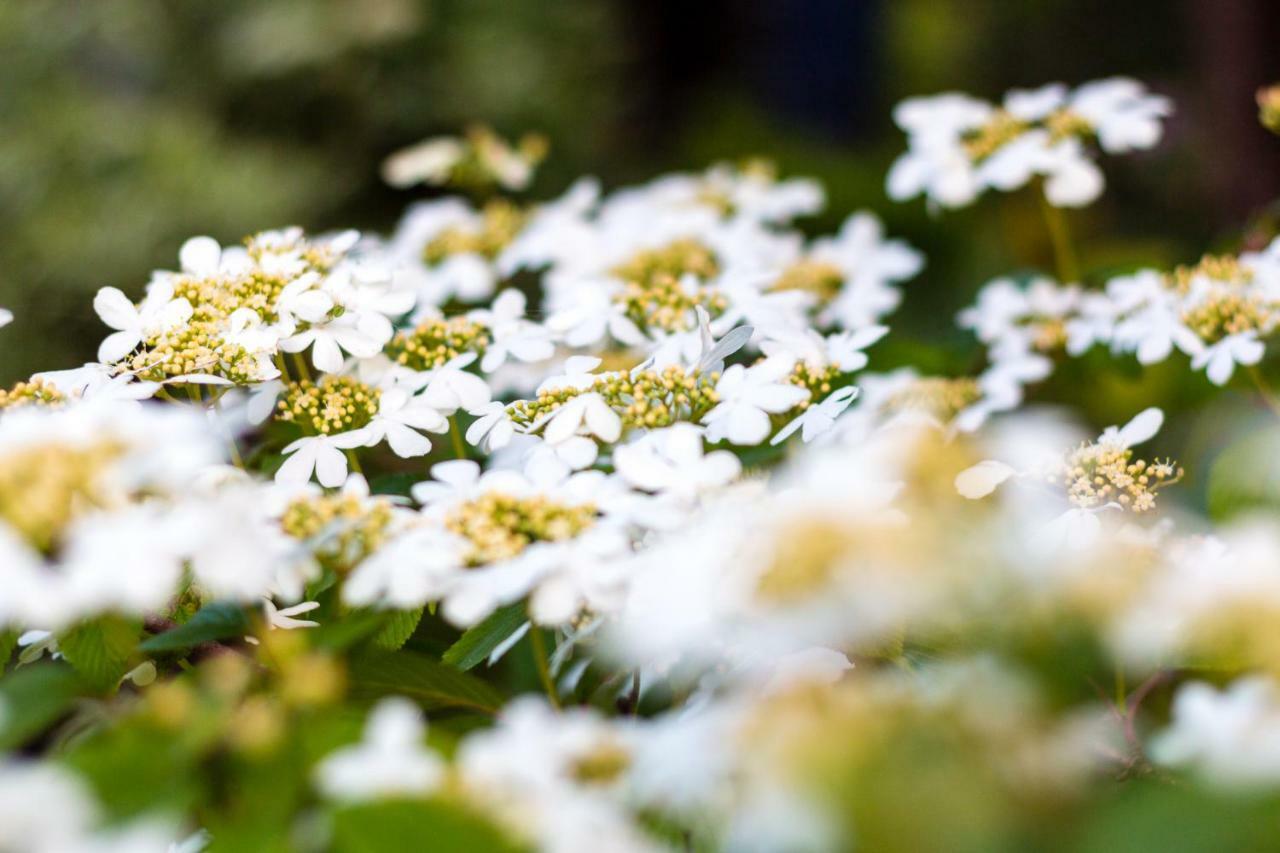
(129, 125)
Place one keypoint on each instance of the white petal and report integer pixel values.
(982, 479)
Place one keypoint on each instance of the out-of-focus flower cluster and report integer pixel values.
(604, 485)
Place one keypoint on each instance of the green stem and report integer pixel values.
(540, 661)
(455, 433)
(282, 367)
(231, 438)
(1264, 390)
(354, 461)
(300, 363)
(1064, 255)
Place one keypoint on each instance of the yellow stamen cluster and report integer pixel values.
(35, 392)
(1227, 312)
(820, 278)
(500, 222)
(1048, 335)
(501, 526)
(196, 347)
(939, 396)
(650, 398)
(604, 764)
(819, 381)
(317, 257)
(1226, 269)
(43, 488)
(336, 404)
(347, 528)
(1096, 474)
(1062, 124)
(434, 342)
(1004, 127)
(804, 561)
(654, 295)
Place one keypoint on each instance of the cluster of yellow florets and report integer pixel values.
(649, 398)
(195, 347)
(820, 278)
(434, 342)
(1096, 474)
(500, 526)
(655, 294)
(336, 404)
(1227, 312)
(345, 528)
(500, 222)
(1225, 269)
(44, 487)
(1003, 127)
(818, 381)
(938, 396)
(34, 392)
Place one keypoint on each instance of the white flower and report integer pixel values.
(1231, 736)
(6, 317)
(390, 760)
(159, 311)
(277, 618)
(818, 419)
(398, 419)
(493, 427)
(673, 461)
(451, 387)
(585, 414)
(511, 335)
(1122, 114)
(328, 341)
(321, 455)
(747, 397)
(428, 162)
(1219, 360)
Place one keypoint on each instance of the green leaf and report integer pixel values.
(398, 629)
(217, 621)
(33, 697)
(430, 683)
(395, 825)
(1246, 475)
(344, 630)
(8, 640)
(100, 650)
(479, 641)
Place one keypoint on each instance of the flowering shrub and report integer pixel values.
(608, 492)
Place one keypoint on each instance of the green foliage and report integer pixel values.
(8, 641)
(397, 629)
(431, 684)
(33, 697)
(216, 621)
(1246, 475)
(479, 641)
(101, 650)
(437, 825)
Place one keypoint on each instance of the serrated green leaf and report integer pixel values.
(346, 629)
(33, 697)
(1246, 476)
(100, 650)
(396, 825)
(399, 627)
(217, 621)
(479, 641)
(431, 684)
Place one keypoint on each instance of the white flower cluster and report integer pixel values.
(959, 147)
(637, 427)
(1219, 312)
